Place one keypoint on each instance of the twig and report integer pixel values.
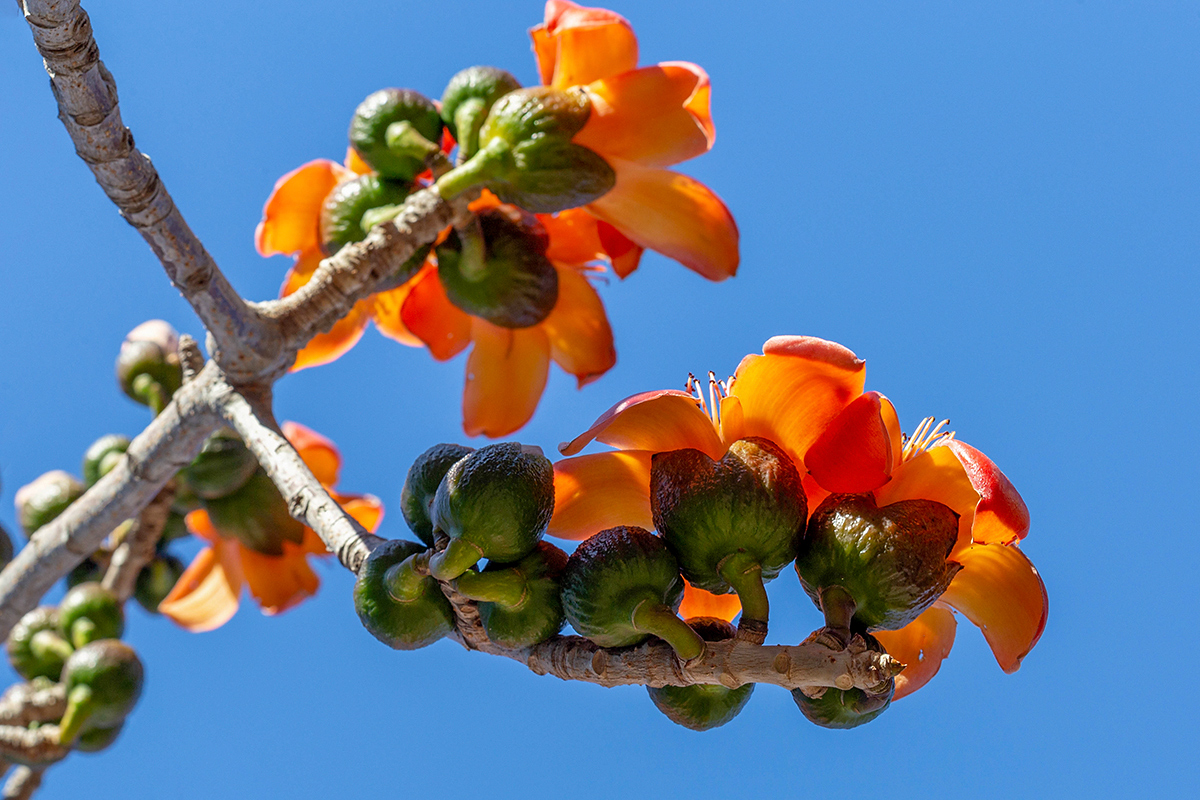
(137, 548)
(23, 783)
(37, 746)
(23, 703)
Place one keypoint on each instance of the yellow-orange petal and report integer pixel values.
(793, 390)
(581, 340)
(506, 374)
(999, 590)
(317, 451)
(206, 595)
(345, 333)
(600, 491)
(293, 211)
(355, 163)
(935, 475)
(577, 45)
(676, 215)
(656, 116)
(854, 452)
(922, 645)
(200, 524)
(1001, 516)
(366, 509)
(656, 421)
(387, 311)
(573, 238)
(699, 603)
(279, 582)
(428, 313)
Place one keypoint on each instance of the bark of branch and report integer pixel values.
(137, 549)
(23, 783)
(23, 703)
(38, 746)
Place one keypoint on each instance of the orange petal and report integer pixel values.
(355, 164)
(292, 212)
(366, 509)
(506, 373)
(935, 475)
(656, 116)
(854, 452)
(921, 644)
(388, 308)
(791, 392)
(200, 524)
(206, 595)
(699, 603)
(1000, 591)
(623, 253)
(673, 214)
(345, 333)
(577, 45)
(319, 453)
(573, 237)
(656, 421)
(429, 314)
(600, 491)
(1001, 516)
(581, 341)
(279, 582)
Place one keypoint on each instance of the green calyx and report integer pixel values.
(421, 483)
(495, 503)
(89, 612)
(398, 606)
(402, 157)
(342, 214)
(148, 368)
(703, 707)
(622, 586)
(845, 708)
(156, 580)
(93, 740)
(102, 456)
(103, 682)
(526, 155)
(47, 496)
(519, 604)
(497, 269)
(890, 562)
(257, 516)
(223, 465)
(467, 100)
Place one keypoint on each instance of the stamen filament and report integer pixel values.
(926, 436)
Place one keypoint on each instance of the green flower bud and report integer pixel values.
(89, 612)
(342, 214)
(257, 516)
(420, 485)
(102, 456)
(103, 682)
(494, 504)
(47, 496)
(520, 604)
(622, 586)
(703, 707)
(467, 100)
(156, 580)
(397, 606)
(93, 740)
(35, 647)
(848, 708)
(148, 367)
(377, 114)
(499, 270)
(222, 466)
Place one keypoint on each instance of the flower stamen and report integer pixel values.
(710, 404)
(926, 436)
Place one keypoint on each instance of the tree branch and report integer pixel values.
(23, 703)
(137, 548)
(22, 783)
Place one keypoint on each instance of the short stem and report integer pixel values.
(472, 259)
(83, 630)
(659, 620)
(79, 709)
(403, 582)
(405, 140)
(505, 587)
(744, 574)
(47, 644)
(150, 392)
(477, 171)
(468, 119)
(839, 606)
(458, 557)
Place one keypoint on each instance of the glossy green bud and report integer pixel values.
(499, 270)
(103, 682)
(520, 604)
(382, 110)
(399, 607)
(420, 486)
(703, 707)
(467, 100)
(148, 368)
(622, 586)
(848, 708)
(102, 456)
(89, 612)
(156, 580)
(257, 516)
(93, 740)
(494, 504)
(342, 213)
(43, 499)
(35, 647)
(880, 567)
(222, 466)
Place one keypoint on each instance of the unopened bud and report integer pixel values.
(467, 100)
(45, 498)
(376, 115)
(148, 367)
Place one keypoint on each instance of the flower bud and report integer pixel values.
(93, 740)
(35, 647)
(703, 707)
(467, 100)
(156, 580)
(89, 612)
(420, 486)
(148, 367)
(397, 606)
(845, 708)
(102, 456)
(384, 109)
(520, 604)
(222, 466)
(342, 214)
(103, 682)
(257, 516)
(45, 498)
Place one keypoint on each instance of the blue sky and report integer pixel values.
(995, 205)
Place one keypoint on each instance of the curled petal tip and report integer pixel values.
(814, 348)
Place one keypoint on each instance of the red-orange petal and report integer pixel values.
(922, 645)
(200, 524)
(366, 509)
(506, 374)
(317, 451)
(428, 313)
(1001, 516)
(791, 392)
(854, 452)
(656, 421)
(623, 253)
(292, 212)
(279, 582)
(600, 491)
(577, 45)
(573, 238)
(656, 116)
(676, 215)
(581, 340)
(699, 603)
(935, 475)
(206, 595)
(999, 590)
(388, 308)
(345, 333)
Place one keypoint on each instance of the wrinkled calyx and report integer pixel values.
(398, 606)
(35, 646)
(846, 708)
(103, 682)
(398, 112)
(519, 604)
(703, 707)
(342, 214)
(256, 515)
(44, 498)
(102, 455)
(421, 483)
(467, 100)
(148, 367)
(223, 465)
(89, 612)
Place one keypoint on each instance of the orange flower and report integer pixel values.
(642, 119)
(207, 594)
(507, 367)
(806, 395)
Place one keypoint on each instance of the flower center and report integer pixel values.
(926, 435)
(717, 391)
